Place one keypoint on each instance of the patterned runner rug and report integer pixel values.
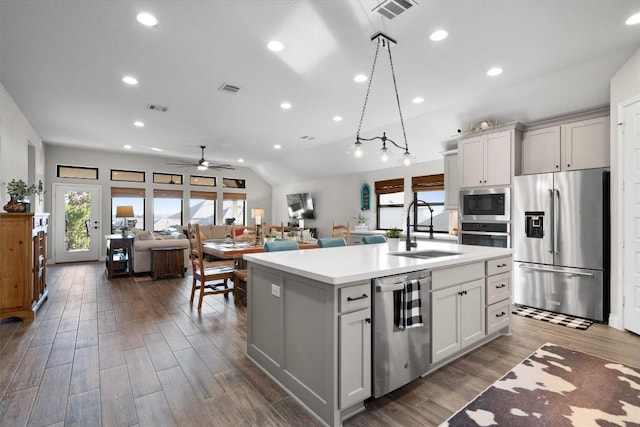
(556, 386)
(547, 316)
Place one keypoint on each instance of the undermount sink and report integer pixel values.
(425, 254)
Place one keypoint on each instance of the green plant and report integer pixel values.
(292, 233)
(21, 190)
(270, 235)
(360, 219)
(393, 233)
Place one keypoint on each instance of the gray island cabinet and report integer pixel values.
(309, 315)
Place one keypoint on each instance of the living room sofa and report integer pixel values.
(210, 233)
(144, 240)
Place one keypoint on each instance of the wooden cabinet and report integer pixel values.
(23, 260)
(457, 309)
(451, 180)
(489, 159)
(582, 144)
(354, 329)
(498, 294)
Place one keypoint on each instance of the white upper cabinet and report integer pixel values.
(451, 180)
(582, 144)
(486, 160)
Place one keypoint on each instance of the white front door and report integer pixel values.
(631, 211)
(76, 222)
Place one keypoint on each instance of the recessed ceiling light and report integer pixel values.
(138, 124)
(277, 146)
(275, 46)
(438, 35)
(337, 118)
(147, 19)
(128, 147)
(495, 71)
(285, 105)
(156, 149)
(633, 19)
(240, 160)
(360, 78)
(130, 80)
(418, 100)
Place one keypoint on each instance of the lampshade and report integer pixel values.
(124, 211)
(257, 213)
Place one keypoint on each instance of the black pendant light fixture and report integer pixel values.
(357, 149)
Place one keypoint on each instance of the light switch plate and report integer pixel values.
(275, 290)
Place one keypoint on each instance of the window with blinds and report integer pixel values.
(202, 207)
(167, 209)
(234, 208)
(429, 189)
(389, 203)
(127, 196)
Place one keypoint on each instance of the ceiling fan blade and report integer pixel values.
(227, 167)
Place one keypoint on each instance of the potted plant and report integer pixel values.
(393, 238)
(19, 193)
(269, 237)
(292, 235)
(361, 223)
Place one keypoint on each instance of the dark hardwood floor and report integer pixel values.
(128, 352)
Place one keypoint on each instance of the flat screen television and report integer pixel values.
(300, 206)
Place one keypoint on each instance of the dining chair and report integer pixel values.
(377, 238)
(331, 242)
(209, 278)
(281, 245)
(341, 230)
(276, 229)
(244, 233)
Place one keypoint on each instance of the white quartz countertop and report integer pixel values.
(348, 264)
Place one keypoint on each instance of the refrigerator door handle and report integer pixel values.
(556, 214)
(553, 270)
(553, 231)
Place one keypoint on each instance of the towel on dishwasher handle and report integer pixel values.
(407, 306)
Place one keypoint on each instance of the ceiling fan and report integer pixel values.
(202, 164)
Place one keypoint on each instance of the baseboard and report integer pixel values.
(615, 321)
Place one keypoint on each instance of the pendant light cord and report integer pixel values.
(395, 88)
(366, 97)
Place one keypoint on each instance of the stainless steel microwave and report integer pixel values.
(485, 204)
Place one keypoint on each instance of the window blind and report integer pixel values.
(427, 183)
(127, 192)
(389, 186)
(207, 195)
(168, 194)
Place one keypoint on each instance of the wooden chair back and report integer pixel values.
(244, 233)
(276, 229)
(341, 230)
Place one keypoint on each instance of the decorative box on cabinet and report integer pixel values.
(490, 157)
(582, 144)
(23, 264)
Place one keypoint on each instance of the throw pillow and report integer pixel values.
(144, 235)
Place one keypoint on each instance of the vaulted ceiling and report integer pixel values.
(63, 61)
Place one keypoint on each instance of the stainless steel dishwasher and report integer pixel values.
(399, 355)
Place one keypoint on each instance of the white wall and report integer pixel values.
(338, 198)
(16, 134)
(258, 191)
(625, 84)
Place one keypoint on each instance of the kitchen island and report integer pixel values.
(310, 314)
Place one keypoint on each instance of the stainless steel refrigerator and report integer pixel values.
(561, 242)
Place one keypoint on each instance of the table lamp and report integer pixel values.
(124, 212)
(258, 214)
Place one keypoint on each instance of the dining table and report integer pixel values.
(230, 250)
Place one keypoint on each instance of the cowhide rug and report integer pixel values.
(556, 386)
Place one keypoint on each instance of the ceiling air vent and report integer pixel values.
(228, 88)
(155, 107)
(392, 8)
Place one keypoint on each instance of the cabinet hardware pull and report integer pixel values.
(501, 314)
(368, 320)
(357, 298)
(501, 286)
(501, 265)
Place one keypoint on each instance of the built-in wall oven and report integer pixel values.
(485, 215)
(496, 234)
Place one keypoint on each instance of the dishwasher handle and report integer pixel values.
(390, 288)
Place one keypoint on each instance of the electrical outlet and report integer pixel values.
(275, 290)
